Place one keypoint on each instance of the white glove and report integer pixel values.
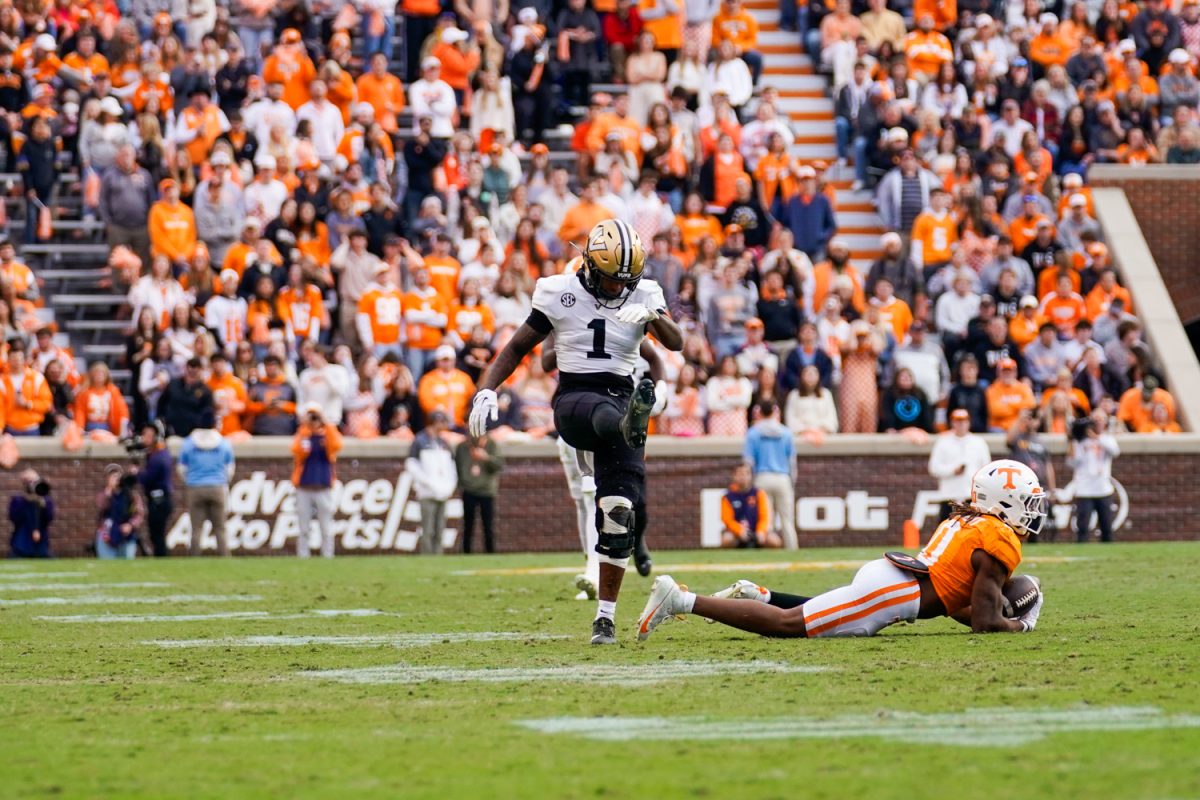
(660, 398)
(636, 314)
(1029, 619)
(483, 408)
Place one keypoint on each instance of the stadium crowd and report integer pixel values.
(303, 214)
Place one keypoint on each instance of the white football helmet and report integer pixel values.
(1011, 491)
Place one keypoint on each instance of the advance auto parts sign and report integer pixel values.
(378, 516)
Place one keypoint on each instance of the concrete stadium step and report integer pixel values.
(813, 130)
(792, 63)
(813, 152)
(69, 301)
(807, 108)
(98, 325)
(778, 38)
(860, 221)
(103, 351)
(783, 79)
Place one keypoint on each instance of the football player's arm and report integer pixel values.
(987, 595)
(550, 356)
(667, 332)
(527, 337)
(655, 367)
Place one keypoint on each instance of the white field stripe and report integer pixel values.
(624, 675)
(988, 727)
(743, 566)
(13, 576)
(235, 615)
(374, 640)
(105, 599)
(60, 587)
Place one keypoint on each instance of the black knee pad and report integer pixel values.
(615, 529)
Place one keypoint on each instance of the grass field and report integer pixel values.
(483, 686)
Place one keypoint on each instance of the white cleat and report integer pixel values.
(586, 587)
(665, 602)
(742, 590)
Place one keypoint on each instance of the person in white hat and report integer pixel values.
(956, 456)
(266, 193)
(1076, 223)
(1179, 86)
(431, 96)
(225, 314)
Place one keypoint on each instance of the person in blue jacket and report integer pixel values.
(31, 513)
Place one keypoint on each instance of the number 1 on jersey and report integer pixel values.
(597, 328)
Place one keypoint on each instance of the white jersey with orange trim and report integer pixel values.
(881, 594)
(588, 337)
(227, 317)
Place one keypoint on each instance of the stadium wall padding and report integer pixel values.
(859, 490)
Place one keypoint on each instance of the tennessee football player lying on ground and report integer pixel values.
(961, 574)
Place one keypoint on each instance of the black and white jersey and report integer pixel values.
(588, 337)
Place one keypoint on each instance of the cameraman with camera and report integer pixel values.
(31, 513)
(314, 450)
(1090, 453)
(120, 514)
(155, 477)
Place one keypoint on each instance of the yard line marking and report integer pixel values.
(747, 566)
(618, 674)
(13, 576)
(105, 599)
(235, 615)
(985, 727)
(59, 587)
(370, 640)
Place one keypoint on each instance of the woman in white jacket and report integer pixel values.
(727, 397)
(491, 106)
(810, 406)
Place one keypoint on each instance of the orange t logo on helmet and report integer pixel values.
(1008, 473)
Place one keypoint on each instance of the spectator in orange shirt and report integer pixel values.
(380, 314)
(892, 310)
(26, 394)
(1023, 229)
(425, 316)
(734, 24)
(172, 226)
(1063, 307)
(383, 91)
(1137, 150)
(99, 406)
(1048, 47)
(1137, 404)
(925, 50)
(290, 65)
(1024, 327)
(1104, 292)
(445, 388)
(1006, 397)
(460, 59)
(230, 399)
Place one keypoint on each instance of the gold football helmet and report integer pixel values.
(613, 260)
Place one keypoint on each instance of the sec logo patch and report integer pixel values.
(567, 299)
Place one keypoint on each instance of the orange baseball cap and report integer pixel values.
(1097, 249)
(732, 228)
(539, 149)
(1006, 363)
(290, 36)
(960, 413)
(167, 183)
(754, 322)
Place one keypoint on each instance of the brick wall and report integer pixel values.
(1169, 216)
(535, 512)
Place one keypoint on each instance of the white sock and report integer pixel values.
(687, 602)
(607, 609)
(764, 598)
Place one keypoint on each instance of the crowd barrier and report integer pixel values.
(854, 490)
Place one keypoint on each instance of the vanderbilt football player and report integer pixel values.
(599, 315)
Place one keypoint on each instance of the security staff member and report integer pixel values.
(155, 477)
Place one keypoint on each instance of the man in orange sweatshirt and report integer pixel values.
(27, 397)
(229, 394)
(172, 226)
(290, 65)
(100, 405)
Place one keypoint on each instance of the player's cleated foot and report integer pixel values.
(641, 558)
(741, 590)
(586, 587)
(637, 416)
(604, 631)
(665, 602)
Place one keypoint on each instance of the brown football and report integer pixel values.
(1020, 593)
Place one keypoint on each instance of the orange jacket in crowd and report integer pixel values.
(740, 28)
(294, 69)
(1137, 414)
(666, 27)
(172, 229)
(230, 400)
(443, 275)
(206, 124)
(1005, 402)
(944, 12)
(446, 390)
(464, 319)
(304, 314)
(383, 310)
(104, 406)
(1098, 301)
(936, 235)
(694, 227)
(897, 314)
(422, 312)
(1064, 311)
(1023, 330)
(300, 445)
(386, 96)
(925, 53)
(628, 127)
(774, 176)
(36, 391)
(1023, 230)
(823, 275)
(579, 220)
(457, 65)
(235, 257)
